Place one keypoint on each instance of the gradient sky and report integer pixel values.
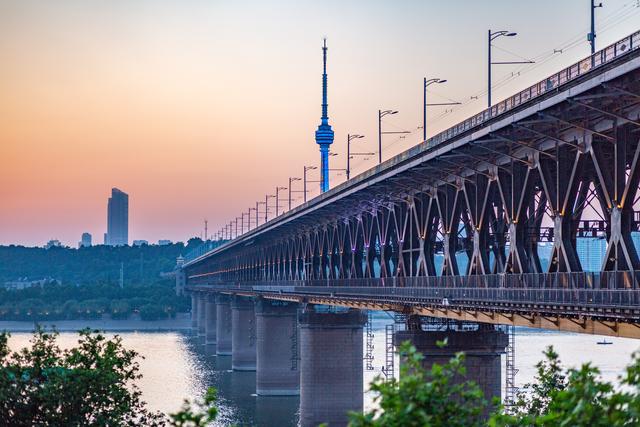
(199, 108)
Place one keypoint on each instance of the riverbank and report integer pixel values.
(182, 322)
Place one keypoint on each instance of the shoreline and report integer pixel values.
(182, 322)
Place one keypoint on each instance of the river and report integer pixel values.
(176, 366)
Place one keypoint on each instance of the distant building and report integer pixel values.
(118, 218)
(591, 252)
(85, 241)
(164, 242)
(24, 283)
(54, 243)
(105, 239)
(140, 242)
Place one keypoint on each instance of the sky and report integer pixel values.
(197, 109)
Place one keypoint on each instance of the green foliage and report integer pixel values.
(204, 413)
(575, 397)
(424, 398)
(120, 309)
(95, 264)
(558, 397)
(92, 384)
(152, 312)
(90, 282)
(90, 301)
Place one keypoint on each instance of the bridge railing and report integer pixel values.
(602, 57)
(629, 298)
(569, 298)
(577, 280)
(205, 247)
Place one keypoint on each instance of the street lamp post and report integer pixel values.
(491, 37)
(349, 138)
(307, 168)
(257, 204)
(381, 114)
(266, 206)
(278, 198)
(428, 82)
(591, 37)
(291, 180)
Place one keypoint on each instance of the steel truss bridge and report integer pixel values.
(452, 227)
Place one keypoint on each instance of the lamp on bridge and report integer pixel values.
(306, 168)
(429, 82)
(492, 36)
(291, 180)
(349, 153)
(381, 114)
(266, 206)
(278, 199)
(265, 215)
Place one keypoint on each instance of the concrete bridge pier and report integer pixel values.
(223, 325)
(210, 320)
(331, 377)
(202, 312)
(277, 363)
(482, 348)
(243, 354)
(194, 312)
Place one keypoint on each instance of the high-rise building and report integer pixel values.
(85, 241)
(118, 218)
(591, 252)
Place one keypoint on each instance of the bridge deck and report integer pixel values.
(612, 312)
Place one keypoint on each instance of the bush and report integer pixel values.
(152, 312)
(93, 384)
(120, 309)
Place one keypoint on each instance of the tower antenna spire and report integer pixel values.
(324, 134)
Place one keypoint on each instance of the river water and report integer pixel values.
(176, 366)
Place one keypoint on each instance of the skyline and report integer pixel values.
(173, 101)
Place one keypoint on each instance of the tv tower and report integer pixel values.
(324, 134)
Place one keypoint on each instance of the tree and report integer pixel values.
(424, 398)
(92, 384)
(204, 413)
(575, 397)
(152, 312)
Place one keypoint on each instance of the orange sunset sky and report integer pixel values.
(197, 109)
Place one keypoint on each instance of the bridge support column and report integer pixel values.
(202, 313)
(277, 348)
(223, 325)
(194, 312)
(331, 377)
(210, 320)
(243, 357)
(482, 349)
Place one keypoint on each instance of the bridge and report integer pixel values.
(451, 229)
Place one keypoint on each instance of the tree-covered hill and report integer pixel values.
(95, 264)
